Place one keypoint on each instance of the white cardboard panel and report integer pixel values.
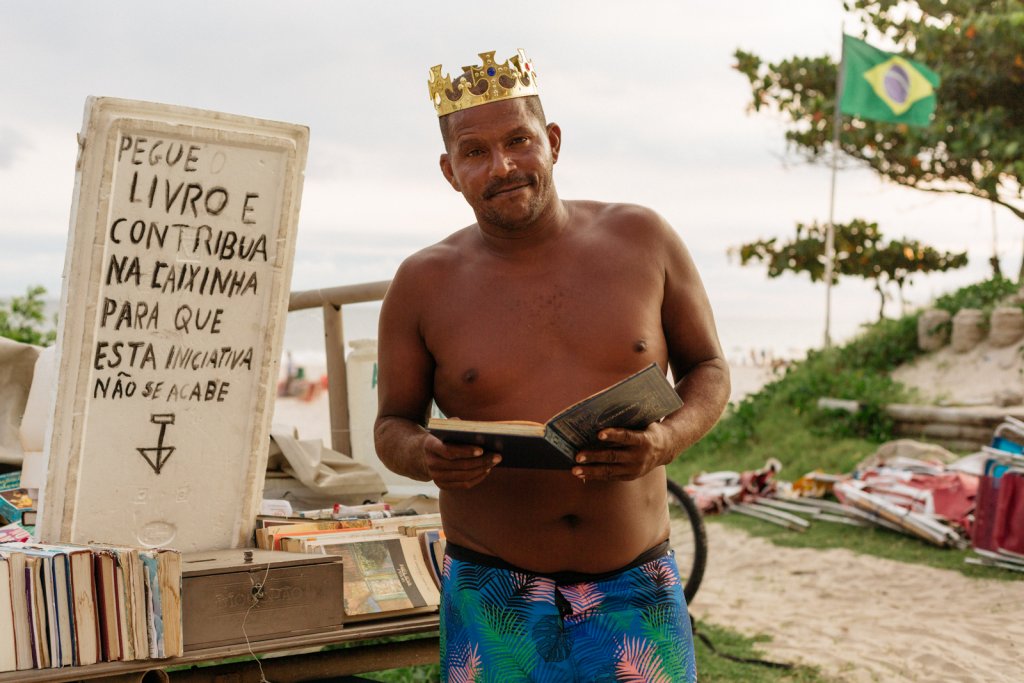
(175, 292)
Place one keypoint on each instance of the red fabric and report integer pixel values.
(1008, 531)
(953, 493)
(985, 513)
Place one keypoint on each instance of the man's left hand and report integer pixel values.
(630, 454)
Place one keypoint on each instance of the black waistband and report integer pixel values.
(464, 554)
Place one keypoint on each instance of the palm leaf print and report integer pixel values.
(552, 641)
(661, 573)
(532, 588)
(465, 666)
(638, 662)
(661, 627)
(583, 597)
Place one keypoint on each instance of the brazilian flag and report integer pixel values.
(882, 86)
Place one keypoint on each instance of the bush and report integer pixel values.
(783, 420)
(22, 319)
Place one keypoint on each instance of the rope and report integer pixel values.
(256, 595)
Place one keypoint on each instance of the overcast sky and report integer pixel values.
(650, 108)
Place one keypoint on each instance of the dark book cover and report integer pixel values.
(633, 403)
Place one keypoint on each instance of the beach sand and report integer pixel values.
(862, 618)
(970, 378)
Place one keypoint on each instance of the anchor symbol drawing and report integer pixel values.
(157, 455)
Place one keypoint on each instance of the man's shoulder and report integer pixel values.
(621, 217)
(440, 253)
(436, 258)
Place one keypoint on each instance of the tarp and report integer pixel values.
(17, 365)
(326, 476)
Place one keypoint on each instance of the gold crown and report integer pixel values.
(490, 82)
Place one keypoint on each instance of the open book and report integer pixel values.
(633, 403)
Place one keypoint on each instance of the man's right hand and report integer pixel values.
(456, 466)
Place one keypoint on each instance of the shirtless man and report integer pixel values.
(537, 305)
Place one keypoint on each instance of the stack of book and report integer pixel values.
(65, 605)
(392, 565)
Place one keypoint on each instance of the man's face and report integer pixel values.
(500, 157)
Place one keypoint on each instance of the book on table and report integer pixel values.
(386, 574)
(8, 633)
(15, 501)
(67, 605)
(632, 403)
(74, 599)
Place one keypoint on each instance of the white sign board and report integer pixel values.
(175, 293)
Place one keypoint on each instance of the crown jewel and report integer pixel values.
(489, 82)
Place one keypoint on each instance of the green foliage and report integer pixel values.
(427, 673)
(859, 252)
(974, 144)
(983, 295)
(22, 319)
(713, 668)
(783, 421)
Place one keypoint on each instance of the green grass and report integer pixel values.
(713, 668)
(782, 431)
(866, 540)
(413, 674)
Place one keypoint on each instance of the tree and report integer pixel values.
(975, 144)
(22, 318)
(859, 252)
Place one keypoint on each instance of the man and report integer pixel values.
(550, 574)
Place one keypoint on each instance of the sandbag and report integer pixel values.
(968, 329)
(17, 366)
(1007, 326)
(933, 329)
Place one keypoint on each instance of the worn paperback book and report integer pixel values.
(633, 403)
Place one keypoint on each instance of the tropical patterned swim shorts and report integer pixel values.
(507, 625)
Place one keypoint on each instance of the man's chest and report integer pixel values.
(532, 346)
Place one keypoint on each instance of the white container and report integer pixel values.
(361, 368)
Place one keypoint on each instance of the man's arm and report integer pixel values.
(404, 392)
(697, 362)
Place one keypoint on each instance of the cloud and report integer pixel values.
(11, 144)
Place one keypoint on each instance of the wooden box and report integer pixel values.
(300, 594)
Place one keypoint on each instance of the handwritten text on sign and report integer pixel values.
(182, 249)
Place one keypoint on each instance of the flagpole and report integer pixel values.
(830, 231)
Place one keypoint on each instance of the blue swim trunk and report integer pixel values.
(504, 624)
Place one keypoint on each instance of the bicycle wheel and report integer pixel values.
(688, 538)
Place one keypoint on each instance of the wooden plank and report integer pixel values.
(385, 628)
(338, 296)
(981, 416)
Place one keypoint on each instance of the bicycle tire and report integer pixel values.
(689, 538)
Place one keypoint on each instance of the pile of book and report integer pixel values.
(392, 564)
(64, 605)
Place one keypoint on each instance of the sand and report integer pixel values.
(971, 378)
(863, 618)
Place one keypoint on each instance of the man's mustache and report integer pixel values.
(498, 186)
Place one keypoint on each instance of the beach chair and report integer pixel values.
(998, 530)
